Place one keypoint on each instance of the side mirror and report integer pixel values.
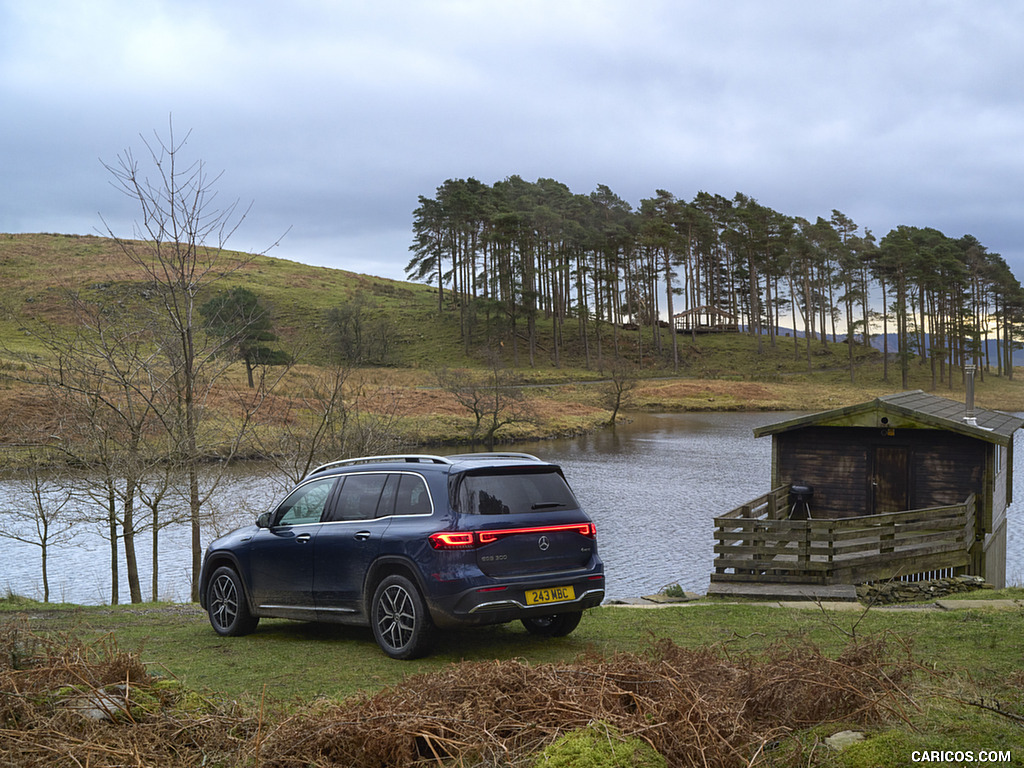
(264, 520)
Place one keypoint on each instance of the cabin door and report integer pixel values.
(890, 479)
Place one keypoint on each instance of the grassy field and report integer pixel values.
(965, 692)
(280, 653)
(716, 372)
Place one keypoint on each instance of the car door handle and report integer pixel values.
(302, 538)
(362, 536)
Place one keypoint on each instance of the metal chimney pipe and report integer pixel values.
(969, 404)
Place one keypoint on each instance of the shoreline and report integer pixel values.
(427, 417)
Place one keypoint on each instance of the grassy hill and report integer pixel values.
(726, 371)
(38, 270)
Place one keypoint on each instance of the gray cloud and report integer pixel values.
(332, 117)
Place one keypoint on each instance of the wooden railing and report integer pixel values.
(755, 542)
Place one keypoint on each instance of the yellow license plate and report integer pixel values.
(549, 595)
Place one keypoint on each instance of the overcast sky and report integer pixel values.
(332, 117)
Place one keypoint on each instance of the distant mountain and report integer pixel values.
(1018, 354)
(878, 342)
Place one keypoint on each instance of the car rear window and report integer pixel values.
(504, 493)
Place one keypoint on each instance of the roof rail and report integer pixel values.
(413, 458)
(424, 458)
(488, 456)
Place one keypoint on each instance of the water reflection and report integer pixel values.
(652, 486)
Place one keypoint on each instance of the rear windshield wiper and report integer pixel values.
(547, 505)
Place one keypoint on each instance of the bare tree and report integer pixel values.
(40, 512)
(103, 395)
(495, 399)
(115, 409)
(618, 392)
(179, 245)
(155, 496)
(333, 415)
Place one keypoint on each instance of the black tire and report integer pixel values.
(399, 617)
(553, 625)
(226, 604)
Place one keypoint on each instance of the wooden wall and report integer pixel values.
(944, 467)
(833, 461)
(992, 565)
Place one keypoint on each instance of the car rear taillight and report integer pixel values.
(472, 539)
(453, 540)
(584, 529)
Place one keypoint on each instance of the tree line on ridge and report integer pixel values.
(515, 254)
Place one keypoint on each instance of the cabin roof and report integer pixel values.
(909, 410)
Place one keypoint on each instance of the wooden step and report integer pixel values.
(788, 592)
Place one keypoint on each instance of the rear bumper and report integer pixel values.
(500, 604)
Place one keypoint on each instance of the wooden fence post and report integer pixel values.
(831, 553)
(887, 539)
(721, 540)
(803, 557)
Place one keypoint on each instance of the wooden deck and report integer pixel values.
(756, 543)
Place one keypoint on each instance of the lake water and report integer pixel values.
(652, 486)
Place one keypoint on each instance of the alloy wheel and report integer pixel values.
(400, 618)
(396, 617)
(224, 601)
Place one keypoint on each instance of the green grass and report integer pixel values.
(986, 642)
(38, 269)
(963, 658)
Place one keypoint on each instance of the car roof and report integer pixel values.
(459, 462)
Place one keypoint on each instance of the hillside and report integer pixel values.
(38, 270)
(716, 372)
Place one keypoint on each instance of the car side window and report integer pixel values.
(359, 497)
(386, 505)
(412, 497)
(306, 503)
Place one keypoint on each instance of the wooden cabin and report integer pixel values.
(705, 319)
(909, 485)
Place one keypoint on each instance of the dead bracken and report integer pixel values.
(696, 707)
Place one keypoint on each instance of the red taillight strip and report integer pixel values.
(452, 540)
(470, 539)
(584, 529)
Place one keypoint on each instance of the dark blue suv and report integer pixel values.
(408, 543)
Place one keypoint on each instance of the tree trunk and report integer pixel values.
(154, 580)
(112, 532)
(128, 527)
(46, 578)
